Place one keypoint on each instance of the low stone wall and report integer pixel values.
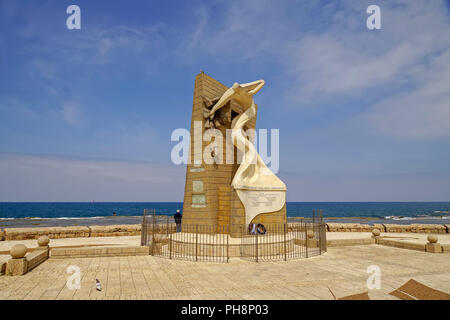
(51, 232)
(298, 227)
(21, 262)
(2, 267)
(36, 257)
(402, 244)
(164, 228)
(135, 230)
(71, 232)
(352, 227)
(115, 230)
(349, 242)
(61, 253)
(416, 228)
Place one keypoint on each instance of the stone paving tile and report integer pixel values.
(343, 270)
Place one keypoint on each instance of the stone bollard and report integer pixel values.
(433, 246)
(43, 244)
(376, 234)
(18, 265)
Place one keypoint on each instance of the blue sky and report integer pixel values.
(88, 114)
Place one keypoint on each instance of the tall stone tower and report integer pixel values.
(209, 198)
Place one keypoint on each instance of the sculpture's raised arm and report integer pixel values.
(253, 87)
(237, 89)
(222, 101)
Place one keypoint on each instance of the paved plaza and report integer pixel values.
(342, 271)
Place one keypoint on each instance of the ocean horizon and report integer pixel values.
(29, 214)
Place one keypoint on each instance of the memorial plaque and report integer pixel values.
(197, 186)
(198, 199)
(262, 199)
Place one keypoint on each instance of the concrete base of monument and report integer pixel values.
(221, 245)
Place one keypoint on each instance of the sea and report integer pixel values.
(47, 214)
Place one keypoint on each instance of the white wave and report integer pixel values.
(399, 218)
(421, 217)
(76, 218)
(53, 218)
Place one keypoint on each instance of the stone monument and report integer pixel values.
(228, 195)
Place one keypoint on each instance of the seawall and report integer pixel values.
(135, 230)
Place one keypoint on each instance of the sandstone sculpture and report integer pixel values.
(259, 189)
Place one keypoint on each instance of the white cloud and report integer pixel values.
(54, 178)
(421, 113)
(195, 36)
(327, 48)
(347, 58)
(240, 29)
(43, 69)
(71, 114)
(328, 55)
(147, 41)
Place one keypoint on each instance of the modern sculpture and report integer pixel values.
(253, 181)
(222, 194)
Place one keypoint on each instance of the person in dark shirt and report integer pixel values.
(178, 216)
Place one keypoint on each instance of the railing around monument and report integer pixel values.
(193, 242)
(203, 242)
(288, 241)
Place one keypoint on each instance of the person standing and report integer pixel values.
(178, 216)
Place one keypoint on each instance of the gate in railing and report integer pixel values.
(196, 242)
(321, 230)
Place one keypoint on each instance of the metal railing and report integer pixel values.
(200, 243)
(285, 242)
(196, 242)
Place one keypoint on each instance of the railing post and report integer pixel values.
(170, 245)
(167, 229)
(143, 240)
(285, 250)
(228, 252)
(324, 240)
(196, 242)
(320, 237)
(145, 223)
(153, 232)
(256, 237)
(306, 238)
